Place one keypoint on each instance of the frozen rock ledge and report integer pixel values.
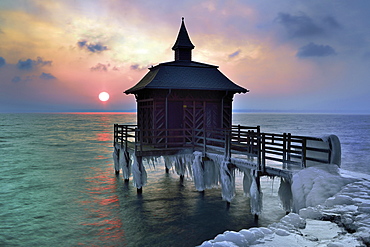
(332, 209)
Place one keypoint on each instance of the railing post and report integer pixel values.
(263, 149)
(289, 146)
(204, 142)
(304, 152)
(126, 136)
(193, 138)
(238, 133)
(114, 134)
(227, 145)
(284, 148)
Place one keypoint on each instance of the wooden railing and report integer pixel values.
(267, 148)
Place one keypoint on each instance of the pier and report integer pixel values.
(212, 155)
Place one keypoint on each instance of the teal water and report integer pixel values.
(58, 185)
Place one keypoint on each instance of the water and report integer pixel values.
(58, 187)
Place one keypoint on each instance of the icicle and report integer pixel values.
(125, 163)
(285, 194)
(256, 196)
(183, 163)
(139, 173)
(116, 157)
(188, 163)
(227, 182)
(211, 174)
(198, 172)
(180, 167)
(168, 162)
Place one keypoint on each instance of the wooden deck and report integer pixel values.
(268, 153)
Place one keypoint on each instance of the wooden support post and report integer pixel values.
(139, 191)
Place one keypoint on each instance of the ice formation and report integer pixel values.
(198, 172)
(340, 216)
(227, 181)
(116, 152)
(139, 173)
(285, 194)
(256, 198)
(125, 163)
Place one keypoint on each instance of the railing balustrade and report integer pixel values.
(267, 148)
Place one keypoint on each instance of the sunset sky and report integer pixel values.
(294, 56)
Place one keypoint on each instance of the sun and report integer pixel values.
(104, 96)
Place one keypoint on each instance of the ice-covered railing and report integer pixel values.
(267, 148)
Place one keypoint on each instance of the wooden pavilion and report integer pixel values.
(184, 114)
(183, 94)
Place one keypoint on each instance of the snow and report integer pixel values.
(331, 208)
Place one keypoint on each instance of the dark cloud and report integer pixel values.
(31, 64)
(138, 67)
(16, 79)
(331, 22)
(47, 76)
(97, 47)
(235, 54)
(2, 62)
(100, 67)
(299, 25)
(314, 50)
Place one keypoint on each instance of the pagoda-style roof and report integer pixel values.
(185, 74)
(188, 75)
(183, 39)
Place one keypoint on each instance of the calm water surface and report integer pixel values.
(58, 187)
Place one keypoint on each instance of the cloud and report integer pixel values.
(299, 25)
(16, 79)
(2, 62)
(314, 50)
(97, 47)
(32, 64)
(331, 22)
(139, 67)
(235, 54)
(100, 67)
(47, 76)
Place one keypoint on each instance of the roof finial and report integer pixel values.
(182, 18)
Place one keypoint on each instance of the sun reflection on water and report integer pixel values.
(103, 207)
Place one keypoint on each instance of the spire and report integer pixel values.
(183, 45)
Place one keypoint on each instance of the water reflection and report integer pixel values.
(102, 208)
